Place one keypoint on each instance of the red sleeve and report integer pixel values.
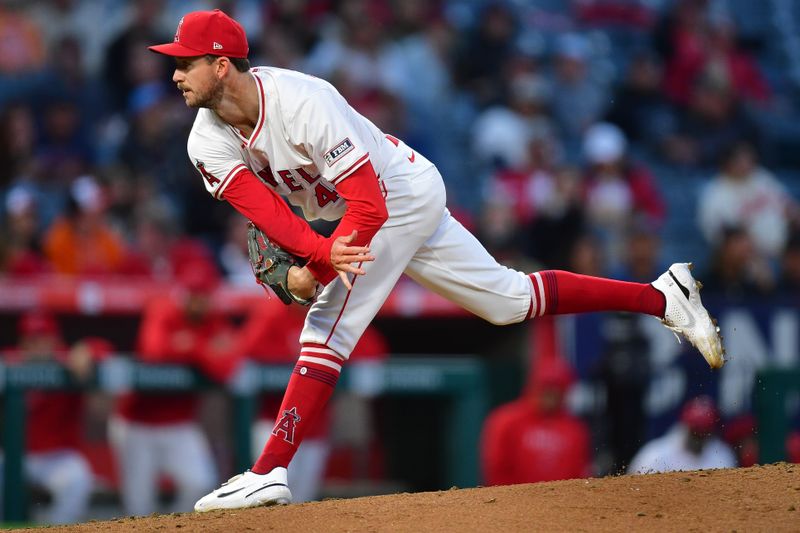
(366, 208)
(267, 210)
(157, 335)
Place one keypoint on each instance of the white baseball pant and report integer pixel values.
(422, 239)
(67, 477)
(144, 452)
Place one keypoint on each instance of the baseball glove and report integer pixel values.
(271, 265)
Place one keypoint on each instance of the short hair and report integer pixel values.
(242, 64)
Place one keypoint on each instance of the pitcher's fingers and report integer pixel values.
(357, 258)
(355, 250)
(346, 281)
(349, 267)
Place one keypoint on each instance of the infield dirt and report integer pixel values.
(761, 498)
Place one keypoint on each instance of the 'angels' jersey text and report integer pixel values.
(307, 131)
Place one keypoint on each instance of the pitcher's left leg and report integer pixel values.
(454, 264)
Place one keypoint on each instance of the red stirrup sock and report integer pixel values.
(311, 385)
(560, 293)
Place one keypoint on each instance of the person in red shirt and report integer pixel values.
(793, 446)
(270, 335)
(534, 438)
(54, 419)
(155, 433)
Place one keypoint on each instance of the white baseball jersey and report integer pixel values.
(669, 454)
(306, 140)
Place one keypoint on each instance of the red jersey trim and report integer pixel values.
(262, 113)
(352, 168)
(234, 171)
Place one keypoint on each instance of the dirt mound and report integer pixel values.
(761, 498)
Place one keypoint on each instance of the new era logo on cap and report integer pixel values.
(206, 32)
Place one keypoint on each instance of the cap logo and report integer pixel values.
(178, 31)
(217, 46)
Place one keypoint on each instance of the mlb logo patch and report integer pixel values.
(338, 151)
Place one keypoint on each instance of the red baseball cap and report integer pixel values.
(206, 32)
(37, 323)
(202, 277)
(700, 414)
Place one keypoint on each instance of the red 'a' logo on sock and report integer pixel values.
(286, 425)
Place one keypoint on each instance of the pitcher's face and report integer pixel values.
(197, 80)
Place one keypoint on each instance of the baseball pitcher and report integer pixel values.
(262, 133)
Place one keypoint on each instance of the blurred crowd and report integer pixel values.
(570, 134)
(606, 137)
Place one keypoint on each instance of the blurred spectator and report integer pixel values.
(560, 216)
(642, 253)
(160, 250)
(20, 246)
(737, 271)
(22, 49)
(481, 57)
(747, 195)
(793, 447)
(416, 69)
(789, 282)
(740, 434)
(692, 444)
(712, 50)
(67, 80)
(534, 438)
(624, 370)
(502, 136)
(586, 256)
(515, 197)
(92, 22)
(271, 335)
(351, 50)
(63, 152)
(713, 121)
(579, 99)
(127, 62)
(279, 48)
(155, 119)
(155, 433)
(234, 256)
(639, 107)
(54, 419)
(81, 242)
(680, 32)
(616, 189)
(297, 22)
(17, 143)
(615, 13)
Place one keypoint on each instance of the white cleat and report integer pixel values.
(686, 315)
(248, 490)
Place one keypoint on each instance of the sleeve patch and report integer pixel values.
(211, 179)
(332, 155)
